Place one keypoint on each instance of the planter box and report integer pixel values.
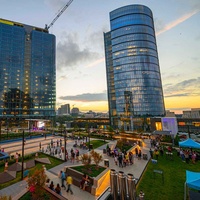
(98, 184)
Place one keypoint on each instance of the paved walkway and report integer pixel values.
(16, 190)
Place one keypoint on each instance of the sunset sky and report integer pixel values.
(81, 73)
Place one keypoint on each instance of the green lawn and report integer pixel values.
(174, 178)
(54, 162)
(92, 170)
(96, 143)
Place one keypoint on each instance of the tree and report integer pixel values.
(86, 160)
(36, 181)
(97, 157)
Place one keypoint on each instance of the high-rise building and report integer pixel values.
(132, 66)
(27, 72)
(64, 109)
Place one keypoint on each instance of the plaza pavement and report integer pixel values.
(18, 189)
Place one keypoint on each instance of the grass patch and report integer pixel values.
(54, 162)
(96, 143)
(174, 178)
(91, 171)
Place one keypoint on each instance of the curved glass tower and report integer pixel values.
(132, 66)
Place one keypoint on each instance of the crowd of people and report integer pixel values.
(122, 159)
(56, 148)
(187, 155)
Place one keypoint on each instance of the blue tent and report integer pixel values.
(192, 181)
(190, 144)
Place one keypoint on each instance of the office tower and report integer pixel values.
(132, 67)
(64, 109)
(27, 72)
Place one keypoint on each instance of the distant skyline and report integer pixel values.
(81, 75)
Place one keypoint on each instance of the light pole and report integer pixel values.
(22, 175)
(7, 127)
(89, 140)
(65, 145)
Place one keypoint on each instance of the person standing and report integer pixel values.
(120, 159)
(16, 157)
(40, 146)
(139, 154)
(69, 183)
(136, 152)
(151, 153)
(6, 166)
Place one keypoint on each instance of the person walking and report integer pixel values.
(63, 178)
(69, 183)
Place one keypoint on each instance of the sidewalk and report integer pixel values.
(136, 169)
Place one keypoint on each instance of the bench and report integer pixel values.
(77, 178)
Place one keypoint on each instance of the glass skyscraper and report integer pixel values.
(27, 72)
(132, 66)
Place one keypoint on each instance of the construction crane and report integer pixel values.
(47, 27)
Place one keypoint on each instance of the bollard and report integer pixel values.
(113, 184)
(122, 185)
(131, 187)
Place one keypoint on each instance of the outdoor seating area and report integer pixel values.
(77, 178)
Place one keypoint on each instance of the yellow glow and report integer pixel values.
(105, 182)
(182, 102)
(158, 126)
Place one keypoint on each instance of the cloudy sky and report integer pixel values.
(81, 74)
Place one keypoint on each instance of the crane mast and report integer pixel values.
(47, 27)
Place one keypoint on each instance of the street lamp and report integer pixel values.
(65, 145)
(89, 140)
(7, 126)
(22, 175)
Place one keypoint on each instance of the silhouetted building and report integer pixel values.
(64, 110)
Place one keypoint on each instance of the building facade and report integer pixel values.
(64, 109)
(132, 67)
(193, 113)
(188, 125)
(27, 71)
